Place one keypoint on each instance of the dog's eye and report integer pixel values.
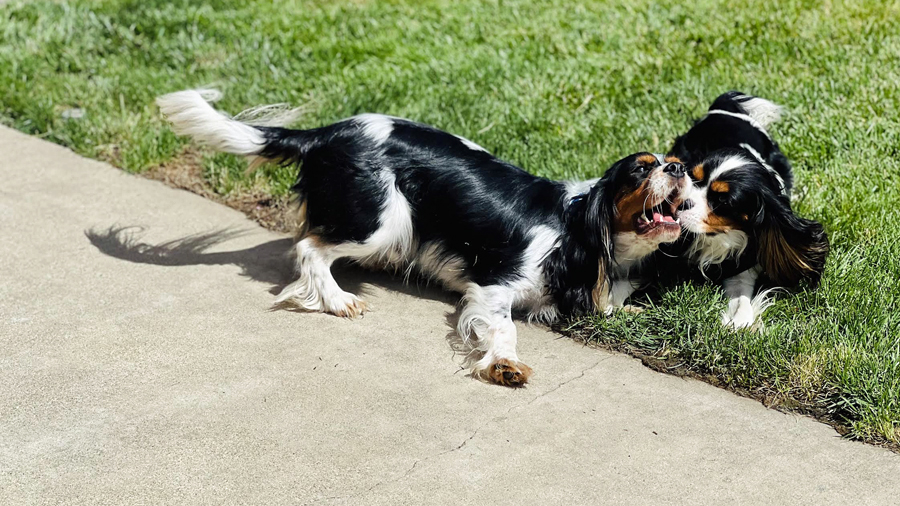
(718, 200)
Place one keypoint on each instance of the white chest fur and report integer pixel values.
(631, 250)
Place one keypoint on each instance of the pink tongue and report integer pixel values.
(658, 217)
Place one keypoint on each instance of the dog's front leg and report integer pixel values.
(621, 290)
(488, 315)
(739, 290)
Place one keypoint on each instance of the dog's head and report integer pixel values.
(635, 202)
(734, 195)
(645, 192)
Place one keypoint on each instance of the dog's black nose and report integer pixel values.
(687, 204)
(674, 169)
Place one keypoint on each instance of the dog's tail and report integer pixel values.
(255, 133)
(760, 110)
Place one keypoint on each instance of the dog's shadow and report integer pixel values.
(267, 262)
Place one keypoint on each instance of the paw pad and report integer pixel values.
(509, 373)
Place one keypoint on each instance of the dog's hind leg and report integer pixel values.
(315, 288)
(488, 315)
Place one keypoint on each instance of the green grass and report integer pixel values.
(562, 88)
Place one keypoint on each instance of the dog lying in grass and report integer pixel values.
(737, 220)
(393, 194)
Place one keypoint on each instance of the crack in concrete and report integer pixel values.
(408, 471)
(461, 445)
(564, 383)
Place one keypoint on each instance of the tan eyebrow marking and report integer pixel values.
(719, 186)
(698, 172)
(645, 158)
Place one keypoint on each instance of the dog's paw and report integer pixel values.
(741, 320)
(348, 306)
(628, 308)
(508, 373)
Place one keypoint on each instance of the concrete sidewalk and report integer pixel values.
(142, 375)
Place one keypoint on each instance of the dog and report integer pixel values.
(389, 193)
(737, 219)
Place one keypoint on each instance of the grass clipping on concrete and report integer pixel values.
(562, 88)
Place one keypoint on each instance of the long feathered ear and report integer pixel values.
(791, 248)
(599, 215)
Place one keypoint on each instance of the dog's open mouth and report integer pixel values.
(659, 217)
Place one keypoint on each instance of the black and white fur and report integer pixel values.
(738, 220)
(392, 194)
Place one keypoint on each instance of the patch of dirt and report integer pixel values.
(665, 362)
(186, 172)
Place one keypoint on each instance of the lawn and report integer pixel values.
(562, 88)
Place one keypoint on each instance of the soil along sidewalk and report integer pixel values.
(143, 365)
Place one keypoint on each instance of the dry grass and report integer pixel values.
(185, 172)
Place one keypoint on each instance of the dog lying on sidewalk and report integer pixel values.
(390, 193)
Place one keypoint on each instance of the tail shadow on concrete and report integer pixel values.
(268, 262)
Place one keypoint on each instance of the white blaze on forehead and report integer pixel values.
(660, 184)
(727, 165)
(471, 145)
(377, 127)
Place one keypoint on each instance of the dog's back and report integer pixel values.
(736, 121)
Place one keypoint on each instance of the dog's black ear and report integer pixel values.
(791, 248)
(599, 215)
(577, 272)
